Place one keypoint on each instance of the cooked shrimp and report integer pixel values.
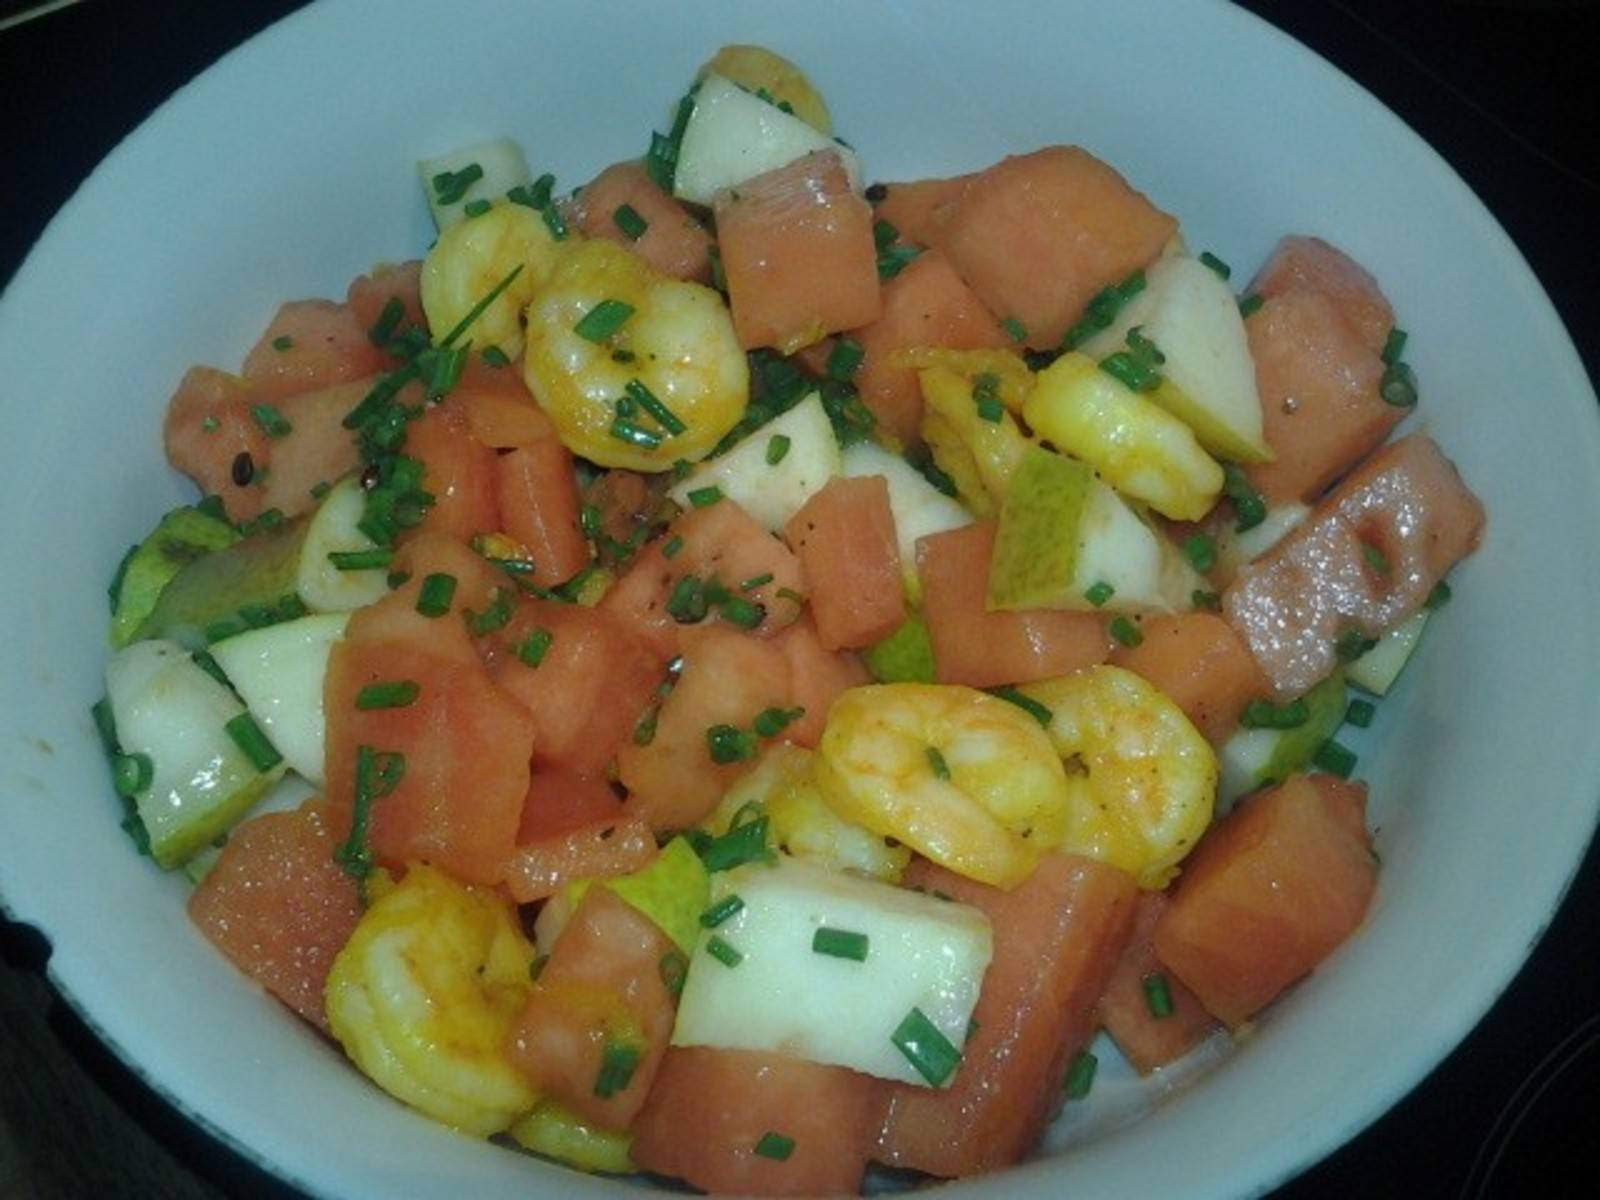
(784, 785)
(475, 256)
(1141, 779)
(422, 997)
(675, 338)
(976, 445)
(967, 780)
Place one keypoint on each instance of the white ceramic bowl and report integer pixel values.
(288, 168)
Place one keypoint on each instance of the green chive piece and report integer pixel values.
(1203, 601)
(719, 277)
(105, 724)
(1015, 329)
(1039, 712)
(775, 1146)
(1157, 995)
(1249, 304)
(436, 594)
(394, 311)
(533, 648)
(894, 259)
(755, 581)
(1359, 713)
(247, 735)
(705, 497)
(719, 912)
(686, 604)
(495, 357)
(589, 520)
(270, 420)
(1201, 551)
(536, 967)
(790, 594)
(361, 560)
(1127, 370)
(627, 219)
(723, 952)
(674, 969)
(1438, 597)
(777, 447)
(475, 208)
(744, 842)
(554, 222)
(618, 1061)
(652, 404)
(1393, 346)
(1352, 644)
(937, 764)
(1399, 385)
(670, 548)
(603, 320)
(1222, 269)
(746, 614)
(131, 774)
(1335, 759)
(1097, 594)
(990, 409)
(1080, 1076)
(450, 186)
(770, 722)
(644, 730)
(209, 665)
(400, 693)
(492, 618)
(1375, 559)
(625, 430)
(1248, 507)
(844, 360)
(477, 310)
(282, 342)
(925, 1048)
(542, 189)
(1263, 714)
(730, 744)
(840, 943)
(377, 774)
(446, 365)
(1126, 632)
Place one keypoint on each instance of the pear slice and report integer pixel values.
(905, 656)
(1377, 669)
(919, 508)
(1253, 758)
(1210, 379)
(500, 166)
(183, 535)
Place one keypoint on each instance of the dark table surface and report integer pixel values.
(1496, 87)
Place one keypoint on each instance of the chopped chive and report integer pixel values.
(1375, 559)
(1039, 712)
(686, 604)
(729, 744)
(1352, 644)
(1222, 269)
(925, 1048)
(263, 522)
(777, 447)
(1263, 714)
(478, 309)
(131, 774)
(625, 430)
(937, 764)
(1399, 385)
(1127, 370)
(1080, 1076)
(320, 489)
(589, 521)
(492, 618)
(743, 843)
(785, 593)
(270, 421)
(1157, 995)
(445, 367)
(450, 186)
(755, 581)
(652, 404)
(554, 222)
(844, 360)
(533, 648)
(840, 943)
(894, 259)
(400, 693)
(209, 665)
(1126, 632)
(603, 320)
(1102, 310)
(628, 220)
(361, 560)
(1393, 346)
(1201, 551)
(1203, 601)
(723, 952)
(475, 208)
(746, 614)
(394, 311)
(536, 966)
(495, 357)
(1015, 329)
(377, 774)
(705, 497)
(209, 424)
(247, 735)
(644, 730)
(1438, 597)
(719, 912)
(1248, 507)
(436, 594)
(775, 1146)
(770, 722)
(618, 1061)
(539, 193)
(990, 409)
(282, 342)
(670, 547)
(1359, 713)
(884, 234)
(674, 969)
(1335, 759)
(105, 724)
(719, 277)
(1098, 593)
(1249, 304)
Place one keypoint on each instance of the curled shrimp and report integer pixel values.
(674, 343)
(471, 259)
(977, 446)
(1142, 781)
(423, 995)
(967, 780)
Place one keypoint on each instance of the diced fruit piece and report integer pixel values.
(1141, 450)
(926, 304)
(182, 536)
(1273, 889)
(501, 413)
(369, 295)
(180, 719)
(537, 497)
(1193, 318)
(974, 646)
(733, 136)
(1037, 235)
(672, 891)
(844, 537)
(671, 241)
(919, 508)
(458, 472)
(310, 449)
(1147, 1011)
(1360, 565)
(279, 671)
(797, 253)
(593, 1031)
(1057, 938)
(259, 574)
(757, 69)
(211, 437)
(472, 259)
(816, 678)
(596, 849)
(278, 905)
(1201, 665)
(560, 801)
(1253, 758)
(555, 1131)
(1311, 264)
(919, 209)
(310, 344)
(776, 469)
(715, 1117)
(334, 531)
(905, 656)
(1377, 669)
(484, 171)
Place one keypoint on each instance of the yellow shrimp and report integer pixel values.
(471, 259)
(1142, 781)
(965, 779)
(677, 341)
(978, 448)
(784, 785)
(423, 995)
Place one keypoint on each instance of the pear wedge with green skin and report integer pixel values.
(1191, 315)
(171, 711)
(918, 507)
(1377, 669)
(503, 167)
(1254, 758)
(181, 537)
(1235, 549)
(905, 656)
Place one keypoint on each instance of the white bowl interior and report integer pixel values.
(289, 168)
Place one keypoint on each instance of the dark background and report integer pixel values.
(1496, 87)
